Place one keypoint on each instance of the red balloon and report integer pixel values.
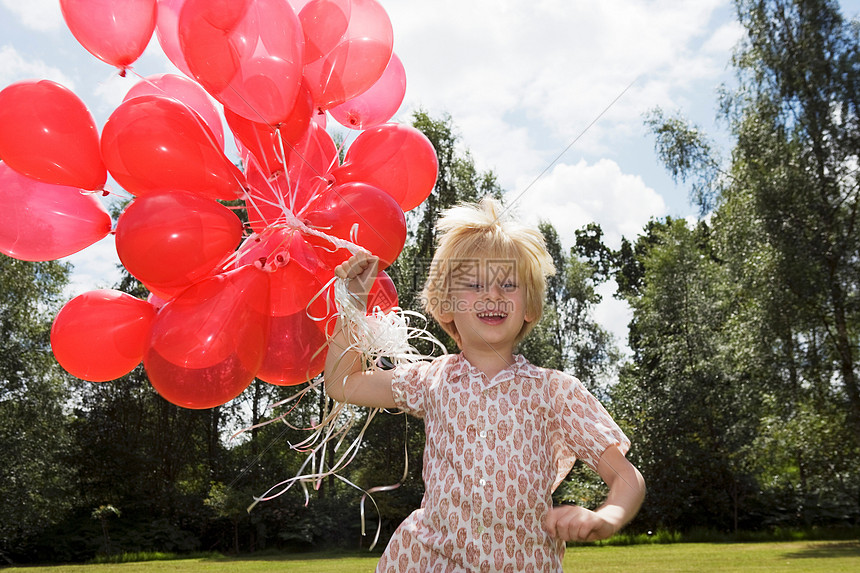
(296, 273)
(298, 313)
(268, 144)
(393, 157)
(170, 240)
(101, 335)
(114, 31)
(360, 214)
(308, 164)
(185, 91)
(43, 222)
(154, 143)
(207, 344)
(383, 294)
(348, 43)
(378, 104)
(266, 200)
(296, 351)
(247, 54)
(47, 133)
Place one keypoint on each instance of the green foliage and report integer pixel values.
(34, 478)
(676, 396)
(745, 332)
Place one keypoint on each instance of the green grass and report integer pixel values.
(796, 556)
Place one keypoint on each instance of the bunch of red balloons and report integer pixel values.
(228, 302)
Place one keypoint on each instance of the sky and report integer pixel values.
(548, 94)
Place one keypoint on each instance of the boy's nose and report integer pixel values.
(495, 290)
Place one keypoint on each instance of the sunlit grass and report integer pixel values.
(795, 556)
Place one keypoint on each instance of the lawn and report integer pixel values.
(834, 556)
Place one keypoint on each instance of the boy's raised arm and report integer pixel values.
(345, 378)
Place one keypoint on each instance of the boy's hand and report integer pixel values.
(360, 271)
(574, 523)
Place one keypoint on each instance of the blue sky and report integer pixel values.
(522, 79)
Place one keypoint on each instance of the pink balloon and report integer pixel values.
(378, 104)
(101, 335)
(47, 133)
(114, 31)
(154, 143)
(348, 43)
(298, 4)
(393, 157)
(42, 222)
(167, 32)
(247, 54)
(184, 91)
(170, 240)
(207, 344)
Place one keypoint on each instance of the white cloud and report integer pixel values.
(40, 15)
(112, 89)
(14, 67)
(571, 196)
(614, 315)
(523, 79)
(94, 267)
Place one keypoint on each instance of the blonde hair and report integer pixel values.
(482, 231)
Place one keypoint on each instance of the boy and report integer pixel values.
(501, 433)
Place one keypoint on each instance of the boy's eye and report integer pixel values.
(476, 286)
(509, 285)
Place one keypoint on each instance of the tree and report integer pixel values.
(35, 477)
(678, 392)
(795, 116)
(784, 229)
(568, 338)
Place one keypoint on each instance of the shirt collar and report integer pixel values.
(459, 367)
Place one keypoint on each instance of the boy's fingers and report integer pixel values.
(549, 523)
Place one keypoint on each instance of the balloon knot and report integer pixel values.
(123, 71)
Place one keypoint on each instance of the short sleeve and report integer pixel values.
(582, 428)
(409, 387)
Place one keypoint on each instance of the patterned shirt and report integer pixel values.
(495, 451)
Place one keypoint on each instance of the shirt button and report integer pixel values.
(480, 529)
(482, 482)
(482, 433)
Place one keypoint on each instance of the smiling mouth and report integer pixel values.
(492, 316)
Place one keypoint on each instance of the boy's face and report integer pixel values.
(486, 303)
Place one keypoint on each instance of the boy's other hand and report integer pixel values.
(574, 523)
